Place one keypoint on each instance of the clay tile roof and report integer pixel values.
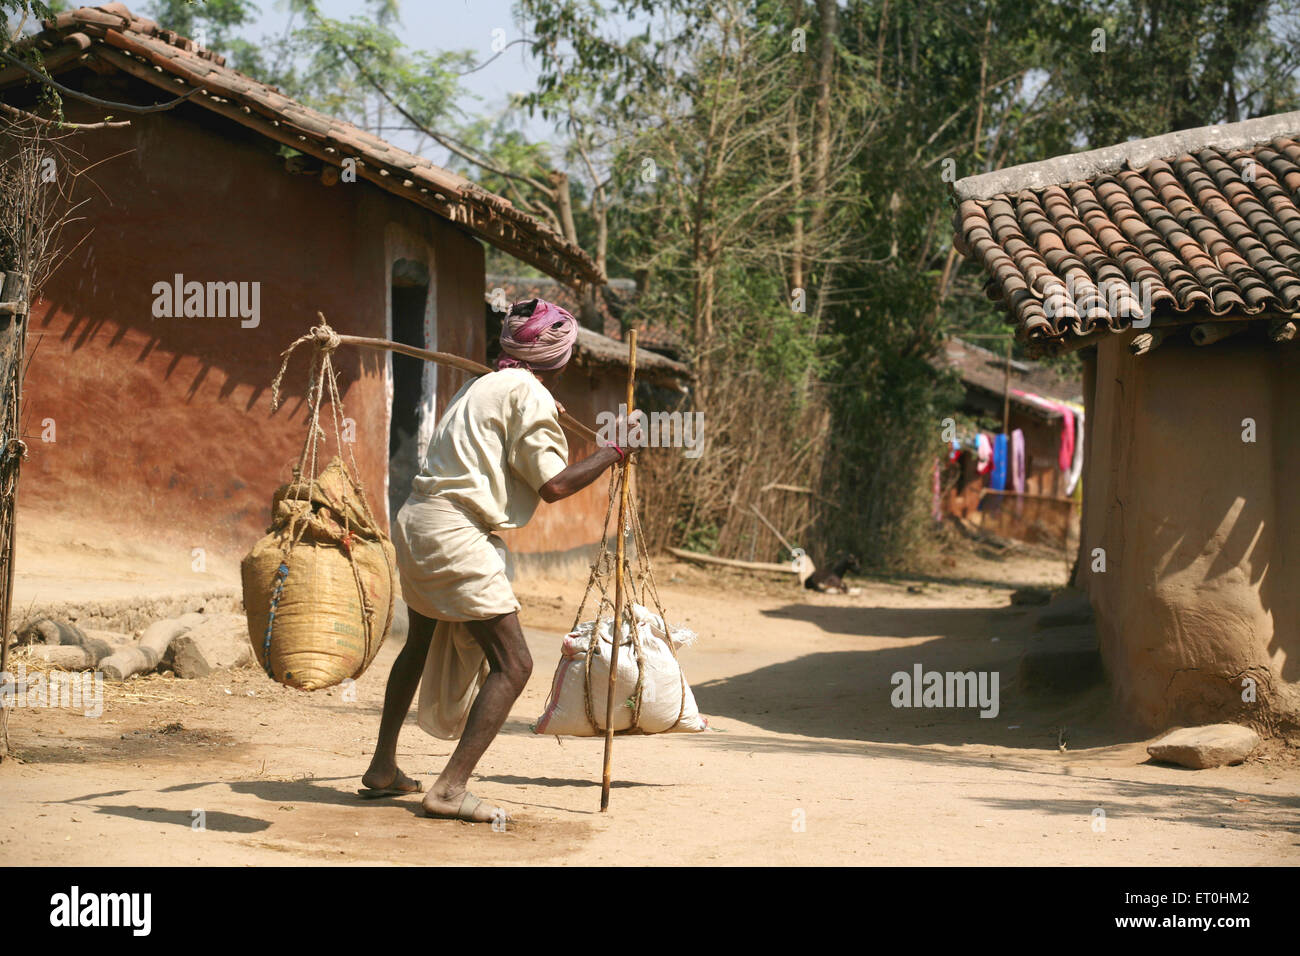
(112, 34)
(596, 350)
(1185, 227)
(985, 370)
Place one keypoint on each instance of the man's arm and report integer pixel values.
(579, 475)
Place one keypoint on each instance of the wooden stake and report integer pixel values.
(1006, 394)
(620, 560)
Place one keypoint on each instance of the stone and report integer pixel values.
(1212, 745)
(1062, 659)
(218, 641)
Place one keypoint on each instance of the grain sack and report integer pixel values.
(666, 704)
(319, 588)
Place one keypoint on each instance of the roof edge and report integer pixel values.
(1135, 154)
(115, 36)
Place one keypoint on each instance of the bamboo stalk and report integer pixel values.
(1207, 333)
(1146, 342)
(771, 527)
(620, 559)
(786, 568)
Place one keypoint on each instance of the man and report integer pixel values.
(497, 451)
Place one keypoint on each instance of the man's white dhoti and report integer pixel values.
(498, 442)
(453, 570)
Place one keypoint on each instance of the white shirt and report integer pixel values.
(497, 443)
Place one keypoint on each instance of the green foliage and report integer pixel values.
(700, 538)
(713, 95)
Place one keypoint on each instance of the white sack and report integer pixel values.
(661, 701)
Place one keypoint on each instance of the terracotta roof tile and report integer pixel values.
(1210, 227)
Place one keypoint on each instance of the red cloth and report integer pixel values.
(1066, 457)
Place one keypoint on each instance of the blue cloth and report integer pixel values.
(998, 478)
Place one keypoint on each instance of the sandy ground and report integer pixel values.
(808, 762)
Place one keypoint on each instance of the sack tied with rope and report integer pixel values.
(651, 695)
(319, 589)
(650, 691)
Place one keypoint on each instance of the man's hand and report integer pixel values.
(579, 475)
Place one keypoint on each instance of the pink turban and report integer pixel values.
(542, 341)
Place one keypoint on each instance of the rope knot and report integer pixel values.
(327, 339)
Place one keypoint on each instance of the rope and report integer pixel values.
(281, 573)
(601, 571)
(322, 378)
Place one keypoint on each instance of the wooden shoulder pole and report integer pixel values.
(620, 562)
(452, 361)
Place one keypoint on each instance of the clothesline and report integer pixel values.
(1001, 456)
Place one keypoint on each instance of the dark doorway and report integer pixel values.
(410, 292)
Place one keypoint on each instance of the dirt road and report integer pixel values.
(808, 763)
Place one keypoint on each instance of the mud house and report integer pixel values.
(217, 230)
(1019, 396)
(1174, 262)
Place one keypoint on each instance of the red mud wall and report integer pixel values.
(162, 426)
(1201, 530)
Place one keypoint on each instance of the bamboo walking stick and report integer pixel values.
(620, 559)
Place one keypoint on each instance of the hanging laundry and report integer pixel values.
(998, 479)
(984, 449)
(1066, 457)
(1076, 465)
(936, 509)
(1018, 461)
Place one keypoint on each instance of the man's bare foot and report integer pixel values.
(461, 806)
(388, 781)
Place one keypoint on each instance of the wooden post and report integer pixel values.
(12, 351)
(620, 560)
(1006, 394)
(13, 347)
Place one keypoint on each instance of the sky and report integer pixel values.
(437, 25)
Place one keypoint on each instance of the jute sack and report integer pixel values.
(319, 588)
(579, 690)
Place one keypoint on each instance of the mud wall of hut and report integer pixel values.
(1199, 530)
(161, 427)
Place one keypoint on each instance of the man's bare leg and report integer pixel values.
(507, 654)
(402, 683)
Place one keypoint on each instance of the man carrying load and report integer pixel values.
(497, 451)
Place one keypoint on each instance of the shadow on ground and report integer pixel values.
(849, 694)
